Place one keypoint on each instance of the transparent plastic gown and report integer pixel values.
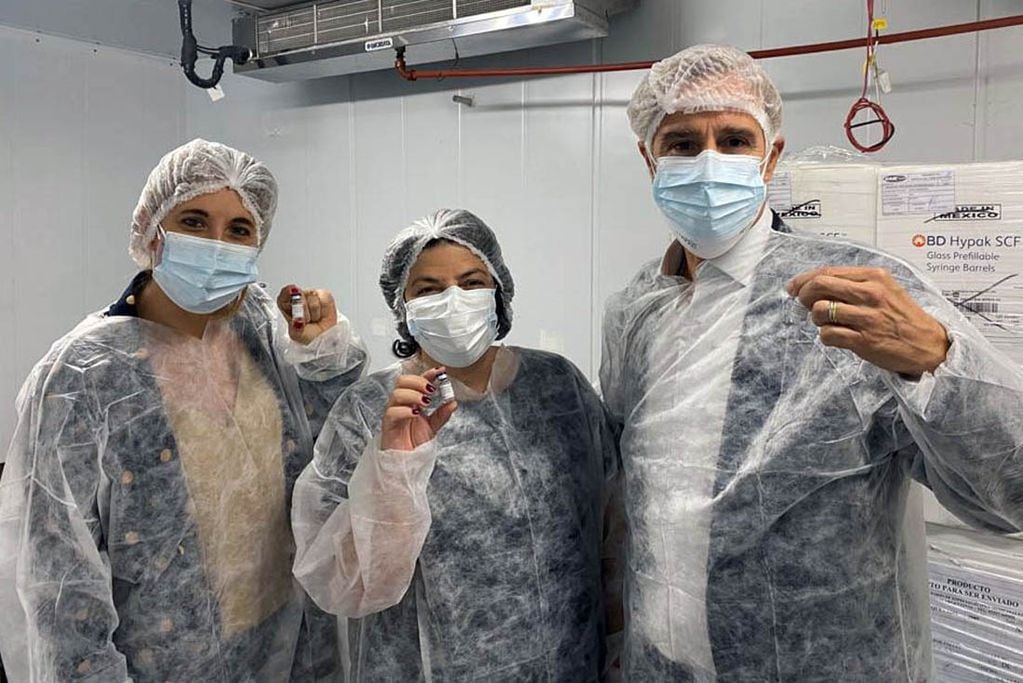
(478, 555)
(767, 475)
(144, 527)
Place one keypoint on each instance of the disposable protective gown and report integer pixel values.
(478, 555)
(767, 475)
(144, 527)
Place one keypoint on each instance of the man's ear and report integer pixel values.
(651, 166)
(776, 151)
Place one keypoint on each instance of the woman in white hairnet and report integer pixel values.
(144, 527)
(777, 393)
(461, 539)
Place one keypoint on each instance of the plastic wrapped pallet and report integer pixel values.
(831, 199)
(935, 513)
(962, 225)
(976, 594)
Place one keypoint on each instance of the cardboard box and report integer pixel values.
(962, 225)
(834, 200)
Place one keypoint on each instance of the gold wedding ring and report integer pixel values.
(833, 312)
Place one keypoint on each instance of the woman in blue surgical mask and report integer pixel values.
(144, 508)
(462, 538)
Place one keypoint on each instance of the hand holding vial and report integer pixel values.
(309, 312)
(408, 422)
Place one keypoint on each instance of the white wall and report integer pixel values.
(549, 163)
(355, 170)
(80, 128)
(147, 26)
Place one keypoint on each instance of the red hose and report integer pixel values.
(887, 127)
(904, 36)
(416, 74)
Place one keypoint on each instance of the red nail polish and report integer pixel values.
(296, 290)
(299, 325)
(416, 411)
(431, 389)
(426, 400)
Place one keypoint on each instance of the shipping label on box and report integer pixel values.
(962, 226)
(832, 200)
(921, 192)
(976, 624)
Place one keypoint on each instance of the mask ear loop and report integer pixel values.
(763, 168)
(161, 239)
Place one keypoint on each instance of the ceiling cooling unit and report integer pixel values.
(319, 39)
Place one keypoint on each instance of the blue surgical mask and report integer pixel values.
(711, 200)
(204, 275)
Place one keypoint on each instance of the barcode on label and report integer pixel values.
(983, 306)
(975, 305)
(968, 303)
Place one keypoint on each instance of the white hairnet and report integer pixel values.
(455, 225)
(197, 168)
(705, 78)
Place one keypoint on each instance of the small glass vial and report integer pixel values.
(297, 308)
(445, 388)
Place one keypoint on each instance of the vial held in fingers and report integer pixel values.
(297, 308)
(445, 388)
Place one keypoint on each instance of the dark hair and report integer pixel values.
(503, 324)
(404, 349)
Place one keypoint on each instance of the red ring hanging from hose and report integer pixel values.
(887, 127)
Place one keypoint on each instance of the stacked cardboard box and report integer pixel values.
(834, 200)
(962, 225)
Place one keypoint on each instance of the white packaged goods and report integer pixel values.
(935, 513)
(834, 200)
(976, 593)
(962, 225)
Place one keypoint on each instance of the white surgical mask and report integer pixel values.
(711, 200)
(455, 327)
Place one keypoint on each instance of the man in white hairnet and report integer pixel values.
(777, 393)
(144, 508)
